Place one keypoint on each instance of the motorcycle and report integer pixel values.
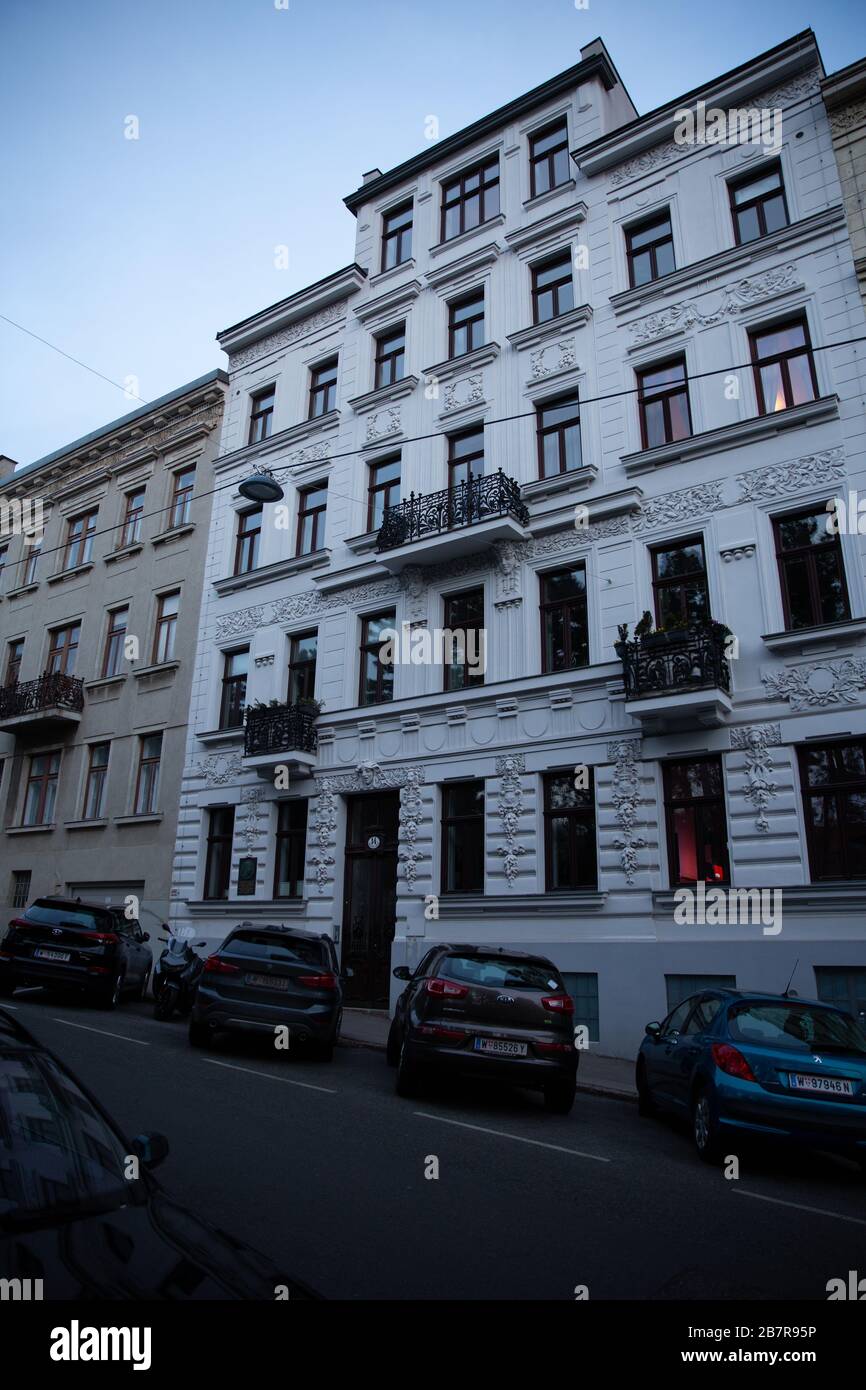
(176, 976)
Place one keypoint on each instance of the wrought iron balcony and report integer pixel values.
(676, 678)
(435, 523)
(52, 699)
(280, 733)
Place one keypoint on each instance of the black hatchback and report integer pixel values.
(64, 943)
(489, 1013)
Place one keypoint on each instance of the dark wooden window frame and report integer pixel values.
(807, 553)
(470, 323)
(53, 758)
(585, 814)
(645, 225)
(80, 531)
(799, 321)
(181, 497)
(549, 605)
(755, 176)
(665, 394)
(164, 622)
(370, 647)
(672, 803)
(318, 513)
(554, 287)
(676, 581)
(548, 157)
(247, 539)
(300, 667)
(397, 235)
(296, 840)
(449, 601)
(834, 789)
(231, 702)
(261, 414)
(374, 488)
(447, 820)
(466, 459)
(323, 387)
(95, 774)
(148, 762)
(66, 647)
(389, 367)
(543, 431)
(459, 182)
(130, 527)
(113, 648)
(14, 657)
(218, 843)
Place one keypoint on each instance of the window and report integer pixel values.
(147, 781)
(548, 158)
(291, 849)
(218, 864)
(63, 649)
(833, 780)
(40, 794)
(466, 324)
(323, 388)
(390, 356)
(181, 498)
(465, 457)
(14, 655)
(844, 987)
(696, 823)
(261, 414)
(247, 541)
(463, 838)
(94, 784)
(558, 431)
(783, 366)
(377, 676)
(663, 399)
(552, 289)
(680, 590)
(464, 615)
(233, 701)
(564, 628)
(133, 511)
(167, 607)
(470, 199)
(4, 551)
(396, 236)
(30, 561)
(811, 570)
(79, 541)
(312, 509)
(569, 832)
(685, 987)
(583, 989)
(302, 667)
(21, 887)
(650, 249)
(758, 203)
(112, 661)
(383, 490)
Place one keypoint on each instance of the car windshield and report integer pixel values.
(796, 1027)
(69, 915)
(273, 946)
(501, 973)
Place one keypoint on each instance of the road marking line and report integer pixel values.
(501, 1134)
(816, 1211)
(269, 1076)
(102, 1031)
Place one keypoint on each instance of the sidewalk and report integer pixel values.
(604, 1076)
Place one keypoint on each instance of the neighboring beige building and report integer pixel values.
(97, 634)
(844, 95)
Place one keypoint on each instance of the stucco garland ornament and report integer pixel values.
(509, 769)
(410, 818)
(755, 740)
(626, 800)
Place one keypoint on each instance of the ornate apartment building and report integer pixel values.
(97, 629)
(581, 369)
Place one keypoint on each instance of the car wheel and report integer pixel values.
(112, 996)
(559, 1097)
(705, 1126)
(199, 1034)
(408, 1080)
(645, 1104)
(392, 1050)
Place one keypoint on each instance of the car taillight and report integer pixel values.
(432, 1030)
(446, 989)
(553, 1047)
(6, 955)
(108, 938)
(559, 1003)
(326, 981)
(214, 966)
(729, 1060)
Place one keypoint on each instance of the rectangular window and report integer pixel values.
(396, 236)
(558, 430)
(291, 849)
(247, 540)
(470, 199)
(663, 400)
(180, 511)
(133, 511)
(167, 608)
(14, 656)
(94, 785)
(312, 511)
(844, 987)
(218, 864)
(833, 781)
(548, 158)
(464, 621)
(29, 563)
(21, 887)
(147, 781)
(552, 288)
(80, 531)
(261, 414)
(4, 553)
(112, 660)
(811, 570)
(583, 989)
(564, 624)
(465, 458)
(303, 649)
(696, 822)
(233, 700)
(758, 204)
(323, 389)
(680, 590)
(682, 987)
(377, 676)
(783, 366)
(466, 324)
(463, 838)
(63, 650)
(40, 795)
(383, 490)
(650, 249)
(569, 832)
(390, 356)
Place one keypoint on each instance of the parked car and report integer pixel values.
(489, 1013)
(774, 1065)
(65, 943)
(71, 1217)
(265, 977)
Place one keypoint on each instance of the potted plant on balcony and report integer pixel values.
(310, 705)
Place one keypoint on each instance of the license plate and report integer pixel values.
(268, 981)
(829, 1085)
(51, 955)
(501, 1048)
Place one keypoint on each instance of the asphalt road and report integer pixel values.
(322, 1167)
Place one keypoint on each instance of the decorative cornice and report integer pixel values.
(752, 289)
(292, 333)
(820, 685)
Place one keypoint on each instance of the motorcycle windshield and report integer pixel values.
(177, 948)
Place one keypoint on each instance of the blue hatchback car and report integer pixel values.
(760, 1064)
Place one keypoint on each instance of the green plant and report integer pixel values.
(644, 627)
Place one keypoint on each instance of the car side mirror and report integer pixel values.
(653, 1030)
(151, 1148)
(197, 944)
(402, 972)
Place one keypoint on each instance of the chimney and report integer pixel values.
(370, 175)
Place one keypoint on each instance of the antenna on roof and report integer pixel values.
(793, 973)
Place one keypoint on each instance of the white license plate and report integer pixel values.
(829, 1085)
(502, 1049)
(268, 981)
(51, 955)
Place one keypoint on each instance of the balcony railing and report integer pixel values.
(683, 660)
(50, 692)
(465, 504)
(279, 729)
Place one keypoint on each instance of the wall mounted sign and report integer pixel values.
(247, 877)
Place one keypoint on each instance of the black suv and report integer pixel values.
(64, 943)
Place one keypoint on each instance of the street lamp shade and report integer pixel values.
(261, 486)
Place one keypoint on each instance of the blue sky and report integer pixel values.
(254, 122)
